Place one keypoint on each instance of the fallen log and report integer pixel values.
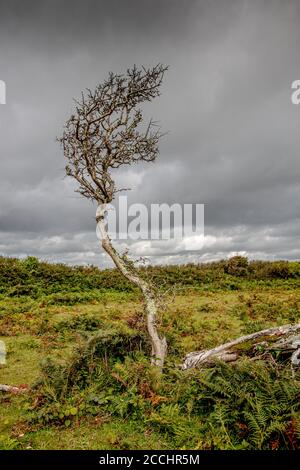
(228, 352)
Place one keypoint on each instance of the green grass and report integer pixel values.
(50, 324)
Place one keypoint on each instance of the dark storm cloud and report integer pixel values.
(233, 141)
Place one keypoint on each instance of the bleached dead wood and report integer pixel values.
(230, 352)
(12, 389)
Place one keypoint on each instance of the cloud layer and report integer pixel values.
(226, 100)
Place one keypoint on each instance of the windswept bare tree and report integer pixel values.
(107, 131)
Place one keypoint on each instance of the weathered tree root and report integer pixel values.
(288, 341)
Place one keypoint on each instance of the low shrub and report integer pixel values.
(79, 323)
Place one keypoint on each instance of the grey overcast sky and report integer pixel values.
(234, 136)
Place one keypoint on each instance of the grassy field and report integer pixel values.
(38, 321)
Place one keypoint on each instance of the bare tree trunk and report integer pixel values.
(288, 340)
(159, 344)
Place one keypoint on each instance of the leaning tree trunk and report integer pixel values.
(158, 344)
